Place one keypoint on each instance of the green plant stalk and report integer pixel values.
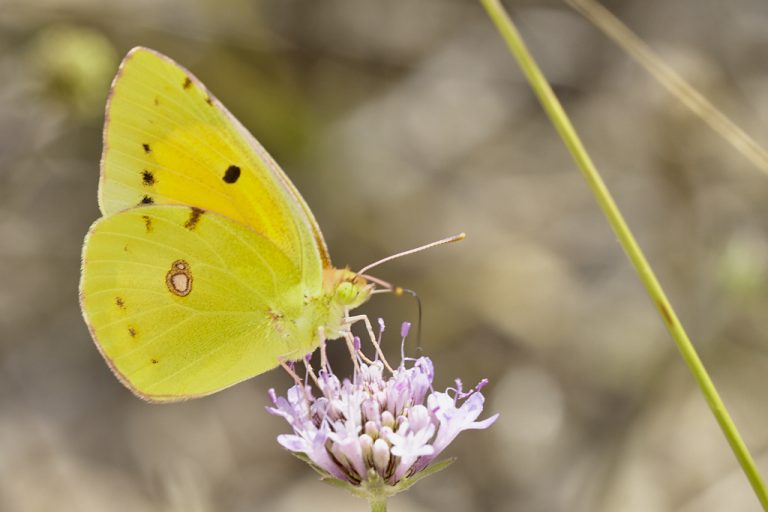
(566, 131)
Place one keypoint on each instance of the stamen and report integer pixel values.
(481, 384)
(459, 386)
(404, 329)
(381, 327)
(381, 334)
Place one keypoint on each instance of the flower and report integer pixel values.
(382, 426)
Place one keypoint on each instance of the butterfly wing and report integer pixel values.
(167, 140)
(184, 302)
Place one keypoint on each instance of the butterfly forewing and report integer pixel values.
(167, 140)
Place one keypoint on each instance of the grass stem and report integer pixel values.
(565, 129)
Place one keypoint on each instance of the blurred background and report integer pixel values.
(402, 122)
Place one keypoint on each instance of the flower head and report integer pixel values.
(382, 426)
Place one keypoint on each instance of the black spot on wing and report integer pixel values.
(154, 361)
(146, 200)
(147, 177)
(208, 100)
(232, 174)
(147, 222)
(119, 302)
(194, 218)
(132, 332)
(147, 149)
(187, 83)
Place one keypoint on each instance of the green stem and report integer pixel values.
(378, 504)
(566, 131)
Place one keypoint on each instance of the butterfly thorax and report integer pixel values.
(323, 316)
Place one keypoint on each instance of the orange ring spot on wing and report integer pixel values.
(179, 278)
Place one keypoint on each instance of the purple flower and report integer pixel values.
(382, 426)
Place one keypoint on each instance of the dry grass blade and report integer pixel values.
(612, 27)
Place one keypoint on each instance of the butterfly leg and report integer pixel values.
(349, 320)
(369, 327)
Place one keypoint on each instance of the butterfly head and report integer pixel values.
(348, 289)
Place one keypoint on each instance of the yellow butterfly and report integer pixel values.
(208, 267)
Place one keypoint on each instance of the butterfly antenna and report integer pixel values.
(398, 291)
(450, 239)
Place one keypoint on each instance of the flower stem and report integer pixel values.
(378, 504)
(566, 131)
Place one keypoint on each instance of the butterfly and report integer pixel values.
(207, 267)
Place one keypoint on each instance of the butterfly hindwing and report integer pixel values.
(183, 302)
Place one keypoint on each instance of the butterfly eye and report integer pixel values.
(346, 293)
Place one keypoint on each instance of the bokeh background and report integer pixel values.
(403, 121)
